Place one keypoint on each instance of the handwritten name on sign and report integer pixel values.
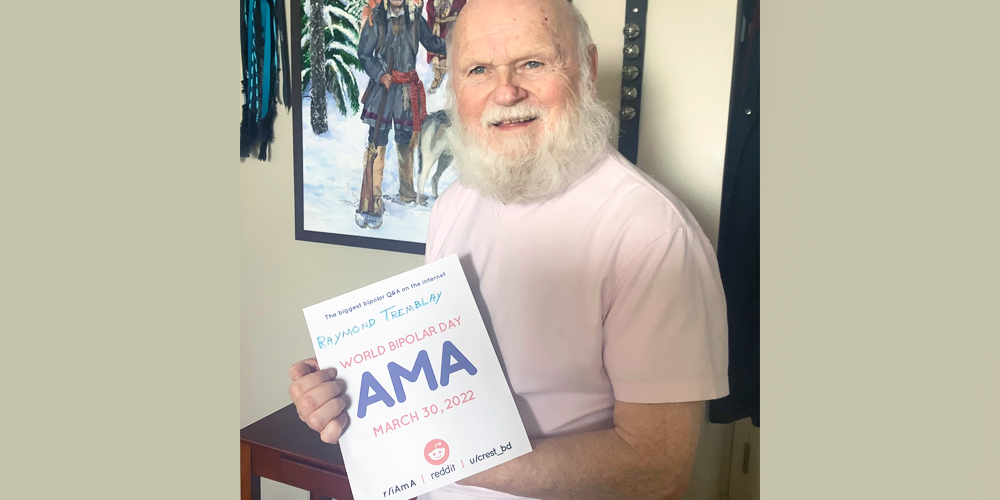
(394, 311)
(426, 388)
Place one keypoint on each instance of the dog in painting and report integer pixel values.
(433, 149)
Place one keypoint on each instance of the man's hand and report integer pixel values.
(386, 80)
(319, 398)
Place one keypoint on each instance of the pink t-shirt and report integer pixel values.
(608, 291)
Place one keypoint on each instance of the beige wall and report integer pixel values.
(681, 143)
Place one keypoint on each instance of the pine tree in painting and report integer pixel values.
(333, 25)
(317, 95)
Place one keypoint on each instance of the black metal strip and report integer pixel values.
(294, 36)
(634, 51)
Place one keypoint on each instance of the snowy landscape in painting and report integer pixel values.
(333, 163)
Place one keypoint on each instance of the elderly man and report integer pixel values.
(600, 289)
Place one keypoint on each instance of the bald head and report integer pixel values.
(557, 20)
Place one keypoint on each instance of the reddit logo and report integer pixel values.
(436, 452)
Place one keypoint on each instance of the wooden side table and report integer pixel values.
(282, 448)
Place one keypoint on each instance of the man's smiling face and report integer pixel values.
(515, 68)
(523, 99)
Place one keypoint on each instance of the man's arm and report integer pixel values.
(648, 455)
(372, 64)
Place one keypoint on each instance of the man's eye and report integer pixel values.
(478, 70)
(533, 64)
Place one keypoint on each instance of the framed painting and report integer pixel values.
(369, 126)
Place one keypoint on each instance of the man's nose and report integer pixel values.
(507, 91)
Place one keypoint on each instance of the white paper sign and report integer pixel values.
(429, 401)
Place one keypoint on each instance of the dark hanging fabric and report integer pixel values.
(265, 55)
(739, 238)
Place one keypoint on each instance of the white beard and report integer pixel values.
(520, 171)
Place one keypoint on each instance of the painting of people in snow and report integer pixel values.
(371, 155)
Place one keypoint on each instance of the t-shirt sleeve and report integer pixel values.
(665, 333)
